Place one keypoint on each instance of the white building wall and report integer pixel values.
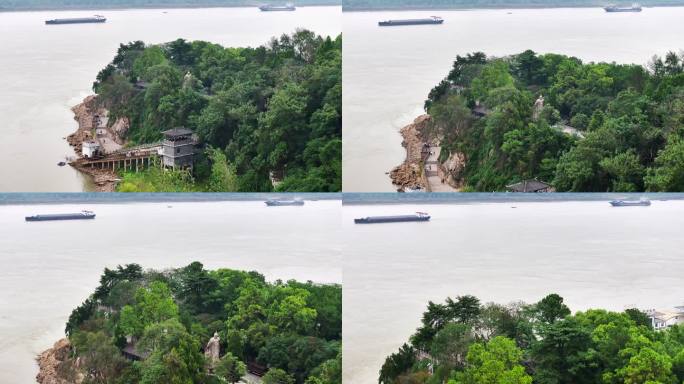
(88, 149)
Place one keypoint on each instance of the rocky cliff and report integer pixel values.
(408, 175)
(53, 362)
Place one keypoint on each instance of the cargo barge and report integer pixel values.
(613, 8)
(83, 215)
(419, 216)
(277, 8)
(627, 203)
(396, 23)
(284, 203)
(78, 20)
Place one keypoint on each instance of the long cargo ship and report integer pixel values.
(419, 216)
(78, 20)
(83, 215)
(283, 203)
(628, 203)
(614, 8)
(276, 8)
(395, 23)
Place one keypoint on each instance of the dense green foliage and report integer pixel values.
(465, 342)
(80, 4)
(349, 5)
(217, 175)
(271, 110)
(292, 328)
(628, 122)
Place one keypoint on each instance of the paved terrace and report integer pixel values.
(434, 176)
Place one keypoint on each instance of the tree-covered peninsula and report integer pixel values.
(465, 342)
(192, 325)
(582, 127)
(264, 118)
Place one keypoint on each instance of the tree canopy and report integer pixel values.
(264, 114)
(602, 127)
(291, 329)
(535, 343)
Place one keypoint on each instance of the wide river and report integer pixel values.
(45, 70)
(593, 255)
(388, 72)
(49, 268)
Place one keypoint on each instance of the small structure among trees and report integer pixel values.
(132, 353)
(480, 110)
(178, 148)
(140, 85)
(663, 319)
(90, 149)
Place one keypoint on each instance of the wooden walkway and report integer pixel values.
(133, 159)
(117, 162)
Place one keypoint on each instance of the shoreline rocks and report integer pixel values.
(84, 114)
(104, 180)
(50, 362)
(409, 175)
(454, 166)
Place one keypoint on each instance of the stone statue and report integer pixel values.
(189, 81)
(538, 106)
(213, 349)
